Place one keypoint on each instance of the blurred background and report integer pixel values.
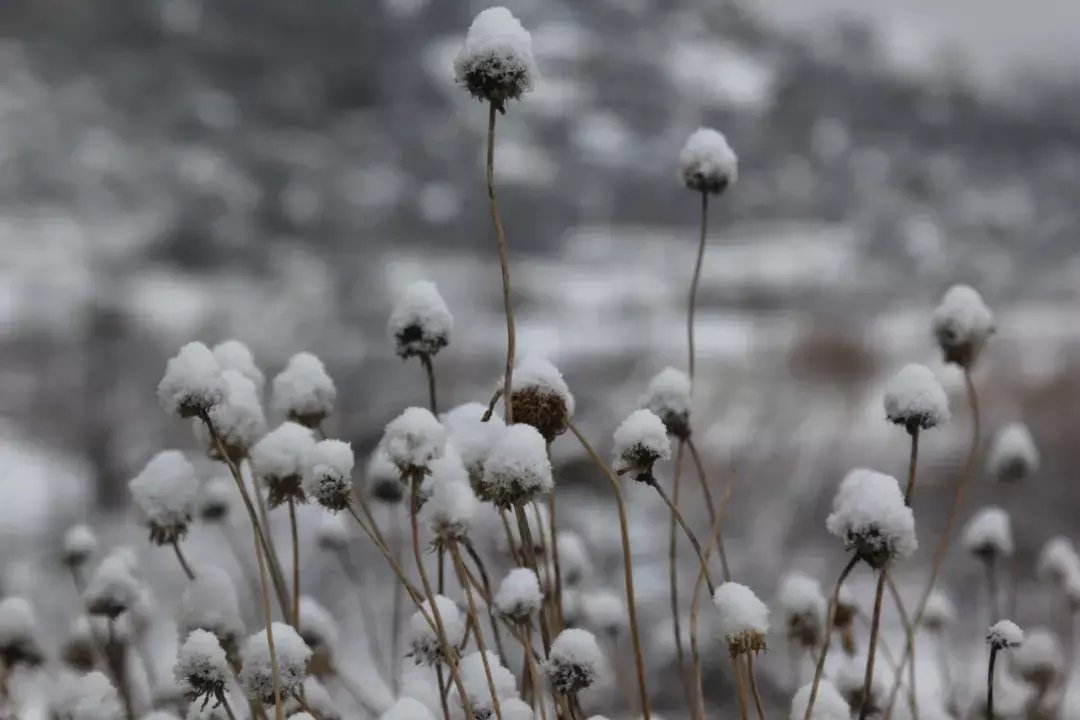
(278, 171)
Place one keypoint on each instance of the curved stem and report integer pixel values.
(504, 264)
(753, 685)
(459, 566)
(707, 494)
(692, 302)
(270, 549)
(990, 684)
(429, 369)
(875, 626)
(628, 570)
(673, 577)
(182, 560)
(414, 594)
(833, 602)
(295, 564)
(689, 533)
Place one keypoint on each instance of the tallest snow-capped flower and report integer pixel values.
(496, 62)
(707, 163)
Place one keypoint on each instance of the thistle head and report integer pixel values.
(235, 355)
(640, 441)
(915, 399)
(1013, 454)
(473, 438)
(1004, 634)
(425, 646)
(328, 474)
(707, 164)
(164, 494)
(80, 543)
(804, 607)
(201, 668)
(517, 471)
(743, 618)
(412, 441)
(303, 391)
(540, 397)
(256, 677)
(988, 534)
(962, 324)
(238, 420)
(19, 634)
(870, 516)
(192, 383)
(575, 661)
(519, 596)
(668, 397)
(279, 460)
(420, 324)
(496, 62)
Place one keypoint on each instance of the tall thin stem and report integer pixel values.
(395, 619)
(528, 549)
(911, 466)
(504, 264)
(182, 560)
(990, 684)
(429, 369)
(228, 708)
(689, 533)
(673, 575)
(875, 626)
(553, 553)
(753, 685)
(273, 562)
(707, 494)
(459, 566)
(628, 569)
(740, 688)
(485, 579)
(692, 302)
(294, 530)
(831, 621)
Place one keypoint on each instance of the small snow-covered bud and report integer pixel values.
(113, 588)
(209, 603)
(18, 633)
(1013, 455)
(496, 62)
(279, 459)
(707, 163)
(828, 704)
(238, 419)
(303, 391)
(668, 396)
(424, 640)
(407, 708)
(87, 697)
(449, 509)
(519, 595)
(962, 324)
(328, 474)
(473, 438)
(80, 543)
(383, 478)
(804, 607)
(421, 323)
(1004, 634)
(192, 383)
(412, 440)
(939, 612)
(743, 620)
(256, 676)
(317, 626)
(215, 500)
(574, 563)
(332, 532)
(201, 667)
(915, 399)
(517, 470)
(575, 661)
(235, 355)
(1040, 660)
(540, 397)
(1058, 562)
(474, 678)
(988, 534)
(640, 441)
(164, 495)
(604, 611)
(870, 516)
(514, 708)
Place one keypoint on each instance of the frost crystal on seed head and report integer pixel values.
(79, 544)
(870, 516)
(519, 595)
(421, 323)
(18, 633)
(328, 474)
(424, 641)
(407, 708)
(668, 396)
(412, 440)
(383, 478)
(988, 534)
(164, 496)
(1013, 455)
(707, 163)
(517, 470)
(804, 606)
(201, 668)
(1005, 634)
(303, 391)
(541, 397)
(209, 603)
(640, 441)
(235, 355)
(112, 588)
(743, 618)
(575, 661)
(962, 324)
(473, 438)
(238, 419)
(279, 460)
(828, 704)
(915, 399)
(292, 658)
(192, 383)
(87, 697)
(496, 62)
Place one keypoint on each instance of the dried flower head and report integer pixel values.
(18, 634)
(412, 440)
(303, 391)
(279, 460)
(915, 399)
(743, 618)
(1013, 454)
(426, 648)
(473, 439)
(574, 563)
(474, 678)
(517, 470)
(575, 661)
(201, 668)
(238, 420)
(962, 324)
(421, 323)
(988, 534)
(292, 658)
(113, 587)
(707, 163)
(450, 507)
(519, 595)
(383, 478)
(215, 500)
(668, 396)
(192, 383)
(209, 603)
(1058, 562)
(496, 62)
(1004, 634)
(828, 704)
(80, 543)
(604, 611)
(328, 474)
(317, 626)
(851, 683)
(540, 397)
(804, 607)
(870, 516)
(164, 495)
(640, 441)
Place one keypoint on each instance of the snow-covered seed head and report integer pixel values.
(707, 163)
(574, 563)
(407, 708)
(474, 678)
(420, 324)
(604, 611)
(201, 667)
(575, 661)
(939, 612)
(87, 697)
(209, 603)
(164, 496)
(870, 516)
(668, 396)
(473, 439)
(113, 587)
(988, 534)
(519, 595)
(80, 543)
(828, 703)
(743, 618)
(640, 441)
(192, 383)
(318, 627)
(238, 419)
(915, 399)
(328, 474)
(962, 324)
(256, 676)
(18, 633)
(496, 62)
(332, 532)
(1058, 562)
(517, 470)
(412, 440)
(215, 499)
(804, 607)
(1004, 634)
(449, 508)
(383, 478)
(279, 461)
(540, 397)
(1013, 455)
(425, 647)
(1040, 660)
(303, 391)
(235, 355)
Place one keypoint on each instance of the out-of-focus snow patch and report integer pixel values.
(604, 138)
(556, 97)
(176, 304)
(523, 164)
(37, 484)
(561, 41)
(722, 74)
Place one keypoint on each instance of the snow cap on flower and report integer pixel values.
(668, 396)
(424, 641)
(707, 163)
(192, 383)
(1058, 561)
(332, 532)
(743, 618)
(640, 441)
(915, 399)
(18, 633)
(406, 708)
(164, 495)
(412, 440)
(292, 653)
(541, 397)
(575, 661)
(279, 460)
(988, 534)
(473, 437)
(1005, 634)
(804, 607)
(215, 499)
(828, 704)
(517, 470)
(235, 355)
(87, 697)
(962, 324)
(1040, 660)
(519, 595)
(201, 668)
(80, 542)
(420, 324)
(238, 419)
(303, 391)
(496, 62)
(113, 588)
(209, 603)
(939, 612)
(474, 678)
(383, 479)
(328, 474)
(1013, 455)
(604, 611)
(869, 515)
(574, 561)
(450, 508)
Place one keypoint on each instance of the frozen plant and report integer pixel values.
(201, 668)
(412, 440)
(209, 603)
(292, 655)
(113, 588)
(473, 438)
(743, 619)
(707, 164)
(318, 699)
(474, 678)
(604, 611)
(1058, 562)
(164, 495)
(1013, 455)
(828, 705)
(215, 499)
(870, 516)
(961, 325)
(18, 634)
(420, 324)
(988, 534)
(575, 661)
(87, 697)
(426, 649)
(216, 711)
(279, 461)
(496, 62)
(519, 595)
(640, 441)
(517, 470)
(668, 397)
(915, 399)
(238, 420)
(514, 708)
(541, 398)
(449, 509)
(235, 355)
(406, 708)
(80, 543)
(192, 383)
(1004, 634)
(328, 474)
(850, 681)
(804, 606)
(303, 391)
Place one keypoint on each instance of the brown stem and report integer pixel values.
(395, 620)
(875, 625)
(740, 687)
(273, 562)
(491, 405)
(753, 685)
(459, 566)
(553, 553)
(689, 533)
(990, 684)
(294, 530)
(183, 561)
(673, 576)
(225, 705)
(429, 369)
(831, 620)
(414, 594)
(692, 302)
(485, 579)
(911, 467)
(504, 264)
(628, 570)
(707, 494)
(528, 549)
(905, 623)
